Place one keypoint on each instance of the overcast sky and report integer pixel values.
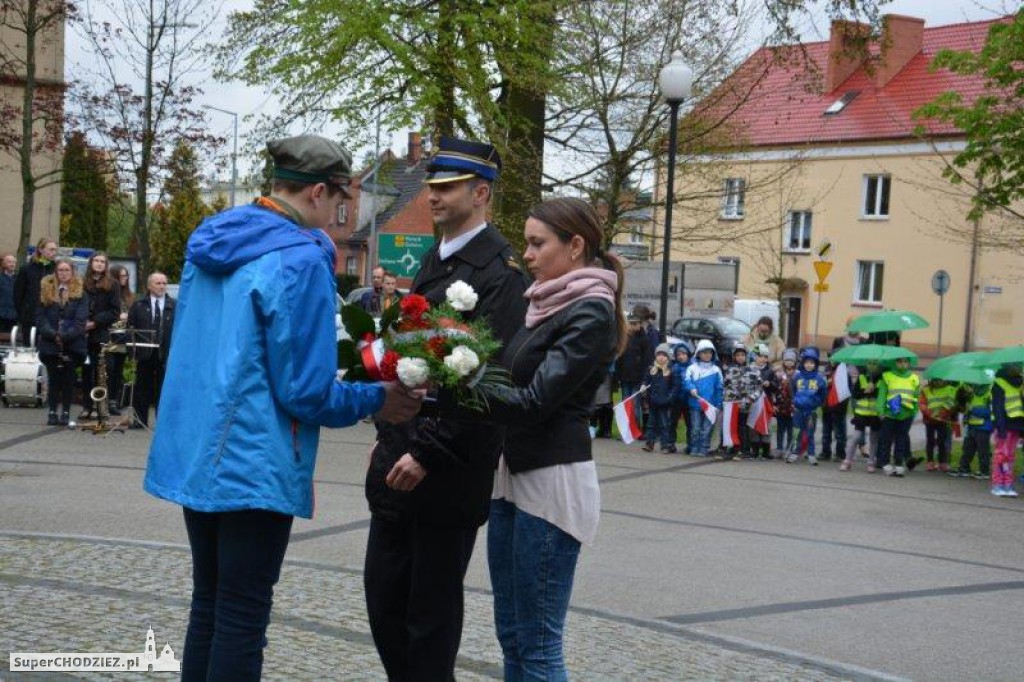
(252, 102)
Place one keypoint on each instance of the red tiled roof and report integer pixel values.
(783, 110)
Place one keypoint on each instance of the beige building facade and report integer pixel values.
(891, 221)
(50, 76)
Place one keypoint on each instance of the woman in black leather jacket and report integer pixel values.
(546, 500)
(104, 310)
(60, 320)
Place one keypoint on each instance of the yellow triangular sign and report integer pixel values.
(822, 267)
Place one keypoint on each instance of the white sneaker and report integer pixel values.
(998, 491)
(812, 460)
(791, 458)
(900, 471)
(1009, 492)
(889, 469)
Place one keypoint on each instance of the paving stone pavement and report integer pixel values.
(90, 595)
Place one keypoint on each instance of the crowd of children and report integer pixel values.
(880, 400)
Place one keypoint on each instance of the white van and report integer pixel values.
(750, 310)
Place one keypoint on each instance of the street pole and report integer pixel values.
(938, 344)
(371, 245)
(817, 316)
(673, 133)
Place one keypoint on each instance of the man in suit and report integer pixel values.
(153, 313)
(429, 481)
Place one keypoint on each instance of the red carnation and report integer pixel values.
(414, 306)
(438, 347)
(389, 366)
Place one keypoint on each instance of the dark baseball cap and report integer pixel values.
(311, 159)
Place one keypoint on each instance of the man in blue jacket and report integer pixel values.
(251, 378)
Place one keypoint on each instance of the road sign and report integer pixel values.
(401, 253)
(821, 287)
(940, 282)
(824, 249)
(822, 267)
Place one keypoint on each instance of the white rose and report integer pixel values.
(463, 360)
(461, 296)
(413, 372)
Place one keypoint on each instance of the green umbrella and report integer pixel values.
(887, 321)
(963, 373)
(861, 353)
(975, 359)
(1012, 355)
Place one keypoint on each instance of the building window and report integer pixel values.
(876, 196)
(732, 198)
(636, 235)
(869, 281)
(351, 265)
(798, 237)
(342, 214)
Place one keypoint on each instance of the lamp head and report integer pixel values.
(675, 79)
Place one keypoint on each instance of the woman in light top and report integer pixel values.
(546, 500)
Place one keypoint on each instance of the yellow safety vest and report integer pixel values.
(1012, 401)
(983, 400)
(905, 387)
(865, 406)
(940, 399)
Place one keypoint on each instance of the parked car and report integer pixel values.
(724, 332)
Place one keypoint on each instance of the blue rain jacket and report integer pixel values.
(251, 375)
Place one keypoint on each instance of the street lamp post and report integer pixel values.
(234, 151)
(675, 81)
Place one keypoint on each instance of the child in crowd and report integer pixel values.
(833, 419)
(864, 394)
(809, 392)
(703, 381)
(761, 443)
(898, 394)
(743, 386)
(784, 403)
(979, 432)
(938, 404)
(661, 390)
(1008, 414)
(680, 401)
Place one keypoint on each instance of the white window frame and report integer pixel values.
(733, 198)
(351, 265)
(342, 214)
(806, 228)
(883, 188)
(877, 280)
(636, 234)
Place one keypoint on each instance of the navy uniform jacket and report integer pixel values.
(459, 456)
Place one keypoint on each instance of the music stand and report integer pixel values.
(134, 340)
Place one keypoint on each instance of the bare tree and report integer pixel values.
(138, 96)
(33, 126)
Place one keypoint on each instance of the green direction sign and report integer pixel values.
(401, 253)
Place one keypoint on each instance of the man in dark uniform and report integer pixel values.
(153, 313)
(430, 479)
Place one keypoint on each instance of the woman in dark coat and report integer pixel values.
(27, 283)
(104, 309)
(60, 320)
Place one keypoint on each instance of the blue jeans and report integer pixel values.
(783, 432)
(700, 432)
(805, 423)
(532, 564)
(236, 560)
(659, 427)
(833, 424)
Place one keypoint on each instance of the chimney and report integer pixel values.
(415, 148)
(847, 50)
(902, 40)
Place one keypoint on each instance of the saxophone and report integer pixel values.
(99, 394)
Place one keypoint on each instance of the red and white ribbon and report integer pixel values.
(371, 350)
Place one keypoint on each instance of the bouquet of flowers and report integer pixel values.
(421, 345)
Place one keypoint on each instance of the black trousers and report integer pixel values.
(413, 582)
(149, 379)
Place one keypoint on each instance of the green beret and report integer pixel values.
(310, 159)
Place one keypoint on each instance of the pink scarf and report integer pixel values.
(547, 298)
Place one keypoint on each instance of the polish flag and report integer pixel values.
(761, 414)
(840, 388)
(627, 419)
(731, 424)
(709, 410)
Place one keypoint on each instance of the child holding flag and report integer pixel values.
(704, 386)
(833, 413)
(865, 414)
(680, 401)
(809, 392)
(742, 388)
(762, 408)
(661, 389)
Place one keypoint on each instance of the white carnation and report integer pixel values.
(413, 372)
(463, 360)
(461, 296)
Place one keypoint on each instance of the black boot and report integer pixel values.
(51, 418)
(65, 418)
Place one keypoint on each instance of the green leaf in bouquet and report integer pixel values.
(357, 321)
(389, 318)
(348, 357)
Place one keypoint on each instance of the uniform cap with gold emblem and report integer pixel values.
(458, 159)
(310, 160)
